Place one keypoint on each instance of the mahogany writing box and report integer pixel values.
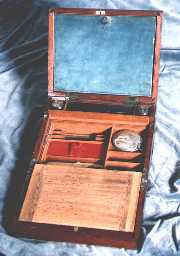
(102, 79)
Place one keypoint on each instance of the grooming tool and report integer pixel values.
(86, 137)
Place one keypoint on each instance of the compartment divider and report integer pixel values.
(78, 141)
(72, 140)
(108, 146)
(71, 159)
(115, 155)
(122, 165)
(120, 159)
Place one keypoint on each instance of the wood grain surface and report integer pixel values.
(82, 197)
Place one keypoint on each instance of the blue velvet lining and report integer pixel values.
(112, 55)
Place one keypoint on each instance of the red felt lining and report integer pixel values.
(75, 149)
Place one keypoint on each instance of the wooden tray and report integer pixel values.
(82, 197)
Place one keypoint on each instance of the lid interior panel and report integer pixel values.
(104, 54)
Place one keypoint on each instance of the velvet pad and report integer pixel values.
(104, 55)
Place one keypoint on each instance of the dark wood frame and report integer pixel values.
(86, 235)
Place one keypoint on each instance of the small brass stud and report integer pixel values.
(76, 229)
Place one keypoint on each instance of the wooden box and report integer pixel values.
(102, 80)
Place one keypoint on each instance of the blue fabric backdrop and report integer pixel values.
(23, 86)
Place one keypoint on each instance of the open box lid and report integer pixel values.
(109, 53)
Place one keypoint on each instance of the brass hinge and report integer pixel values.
(59, 102)
(138, 108)
(144, 109)
(132, 100)
(132, 103)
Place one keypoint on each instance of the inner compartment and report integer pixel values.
(80, 178)
(82, 197)
(79, 138)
